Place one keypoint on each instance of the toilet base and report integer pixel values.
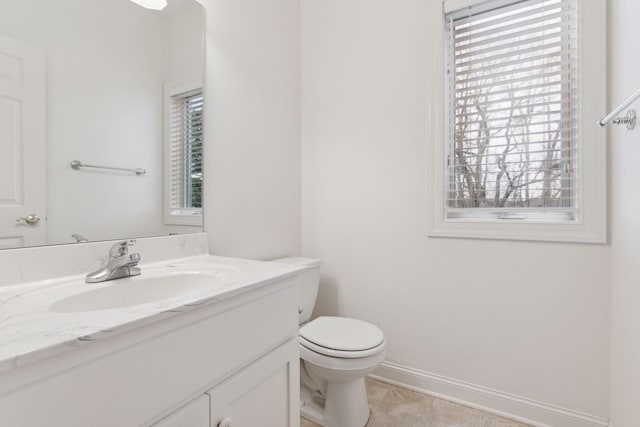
(346, 405)
(312, 411)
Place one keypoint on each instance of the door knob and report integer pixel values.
(32, 219)
(225, 423)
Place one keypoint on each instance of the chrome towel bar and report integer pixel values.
(77, 165)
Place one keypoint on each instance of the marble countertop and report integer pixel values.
(30, 330)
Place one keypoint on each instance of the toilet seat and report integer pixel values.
(343, 354)
(342, 337)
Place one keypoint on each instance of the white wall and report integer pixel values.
(106, 64)
(252, 154)
(624, 70)
(528, 319)
(183, 41)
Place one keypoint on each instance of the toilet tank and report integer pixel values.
(308, 281)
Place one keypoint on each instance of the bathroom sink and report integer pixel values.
(128, 292)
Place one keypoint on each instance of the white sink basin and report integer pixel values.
(143, 289)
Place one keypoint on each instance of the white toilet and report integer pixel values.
(336, 354)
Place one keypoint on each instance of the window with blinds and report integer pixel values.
(512, 110)
(184, 157)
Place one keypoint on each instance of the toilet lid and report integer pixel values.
(341, 333)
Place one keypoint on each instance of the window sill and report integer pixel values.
(569, 232)
(194, 220)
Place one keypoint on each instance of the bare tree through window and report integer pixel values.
(512, 84)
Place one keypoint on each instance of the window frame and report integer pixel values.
(187, 216)
(589, 225)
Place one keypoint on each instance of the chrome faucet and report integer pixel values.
(80, 238)
(120, 264)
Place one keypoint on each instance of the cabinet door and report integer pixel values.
(265, 394)
(193, 414)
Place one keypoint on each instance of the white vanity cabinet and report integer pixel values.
(234, 359)
(258, 395)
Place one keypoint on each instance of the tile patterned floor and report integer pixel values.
(393, 406)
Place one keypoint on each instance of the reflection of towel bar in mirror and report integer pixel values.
(77, 165)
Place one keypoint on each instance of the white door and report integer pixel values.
(22, 144)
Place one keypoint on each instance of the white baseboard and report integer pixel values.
(528, 411)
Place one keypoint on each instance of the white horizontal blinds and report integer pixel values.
(512, 107)
(186, 137)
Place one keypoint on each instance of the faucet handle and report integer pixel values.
(121, 248)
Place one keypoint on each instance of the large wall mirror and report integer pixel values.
(115, 87)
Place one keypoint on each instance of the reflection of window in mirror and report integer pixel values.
(183, 154)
